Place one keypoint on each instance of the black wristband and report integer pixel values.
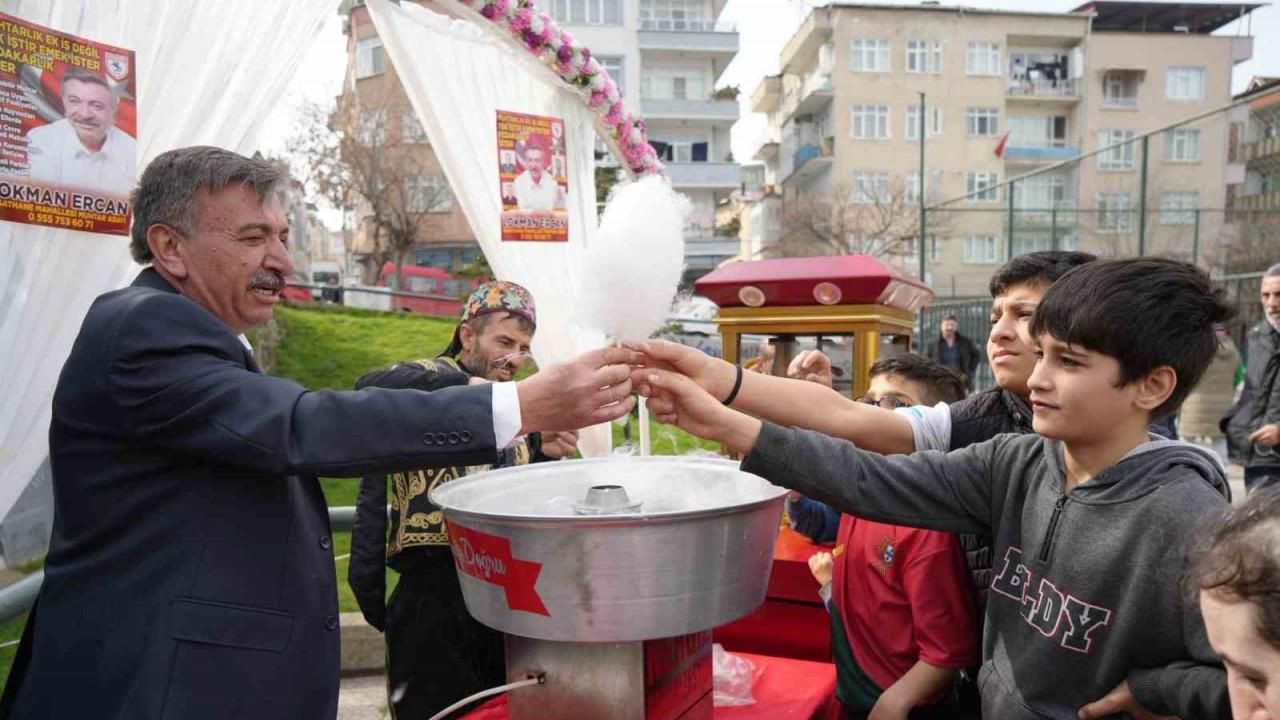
(737, 385)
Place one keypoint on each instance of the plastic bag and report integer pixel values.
(732, 677)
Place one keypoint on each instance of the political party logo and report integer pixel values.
(117, 66)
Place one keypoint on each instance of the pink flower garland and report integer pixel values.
(573, 62)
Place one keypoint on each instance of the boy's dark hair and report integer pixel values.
(1144, 312)
(1045, 267)
(1238, 560)
(941, 384)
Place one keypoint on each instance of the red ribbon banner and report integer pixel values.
(488, 558)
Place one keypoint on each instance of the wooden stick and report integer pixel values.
(644, 428)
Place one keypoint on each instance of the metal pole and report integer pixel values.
(1142, 201)
(1009, 230)
(1053, 227)
(923, 128)
(1195, 239)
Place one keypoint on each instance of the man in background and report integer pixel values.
(1253, 426)
(954, 350)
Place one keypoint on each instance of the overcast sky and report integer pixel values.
(764, 26)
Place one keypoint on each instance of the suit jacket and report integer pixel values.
(191, 574)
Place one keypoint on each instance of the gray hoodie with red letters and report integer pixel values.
(1087, 584)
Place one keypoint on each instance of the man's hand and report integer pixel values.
(560, 445)
(677, 400)
(1268, 435)
(711, 374)
(811, 365)
(592, 389)
(820, 564)
(1119, 700)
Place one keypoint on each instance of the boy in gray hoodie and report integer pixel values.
(1089, 517)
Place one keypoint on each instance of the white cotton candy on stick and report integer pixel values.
(631, 270)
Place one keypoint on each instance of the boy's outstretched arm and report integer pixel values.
(951, 492)
(785, 401)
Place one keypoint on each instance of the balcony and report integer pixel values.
(767, 94)
(813, 33)
(810, 96)
(1267, 149)
(706, 110)
(1258, 202)
(704, 176)
(1120, 102)
(1031, 90)
(810, 160)
(691, 37)
(1061, 214)
(1038, 154)
(766, 145)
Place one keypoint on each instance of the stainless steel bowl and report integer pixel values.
(696, 555)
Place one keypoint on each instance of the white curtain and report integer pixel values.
(208, 74)
(457, 75)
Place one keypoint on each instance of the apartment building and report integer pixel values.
(667, 56)
(1004, 94)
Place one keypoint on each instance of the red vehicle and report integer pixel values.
(447, 291)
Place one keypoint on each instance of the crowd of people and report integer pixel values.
(1038, 549)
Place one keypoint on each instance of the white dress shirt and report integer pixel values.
(532, 195)
(59, 158)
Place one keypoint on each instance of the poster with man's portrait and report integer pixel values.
(68, 129)
(532, 178)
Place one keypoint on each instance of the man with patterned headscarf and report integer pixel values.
(437, 653)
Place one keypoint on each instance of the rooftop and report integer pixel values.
(1192, 18)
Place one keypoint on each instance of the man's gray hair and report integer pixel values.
(166, 194)
(85, 76)
(1273, 271)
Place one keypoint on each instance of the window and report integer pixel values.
(1182, 145)
(1178, 208)
(870, 55)
(911, 188)
(870, 122)
(1117, 158)
(870, 187)
(911, 251)
(980, 249)
(673, 83)
(1184, 83)
(411, 130)
(370, 57)
(1038, 130)
(587, 12)
(1113, 212)
(372, 130)
(428, 193)
(983, 59)
(913, 122)
(924, 57)
(613, 64)
(981, 186)
(685, 15)
(1119, 89)
(682, 146)
(982, 122)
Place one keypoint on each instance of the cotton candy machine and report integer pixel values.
(607, 575)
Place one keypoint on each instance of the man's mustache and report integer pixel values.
(267, 281)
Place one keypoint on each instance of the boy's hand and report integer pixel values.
(560, 445)
(885, 710)
(811, 365)
(676, 400)
(1119, 700)
(820, 565)
(1268, 435)
(711, 374)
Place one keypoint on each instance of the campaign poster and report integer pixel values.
(533, 178)
(68, 129)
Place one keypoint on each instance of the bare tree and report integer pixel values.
(879, 221)
(364, 156)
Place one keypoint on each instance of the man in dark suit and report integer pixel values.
(190, 573)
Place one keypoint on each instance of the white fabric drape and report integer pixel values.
(208, 73)
(457, 75)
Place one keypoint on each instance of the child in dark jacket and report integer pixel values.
(1089, 517)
